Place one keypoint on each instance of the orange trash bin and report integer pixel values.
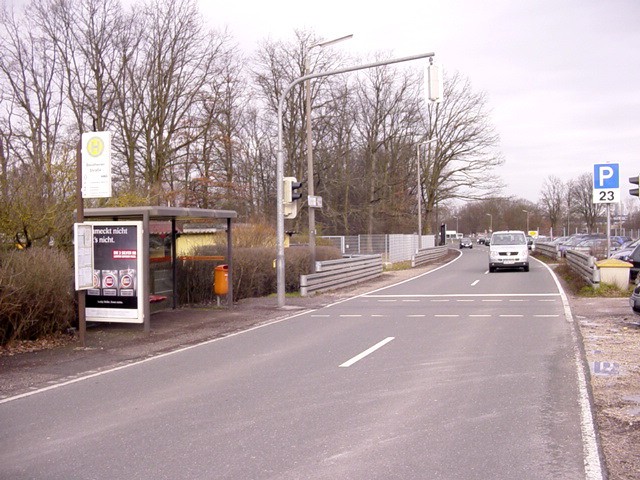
(221, 280)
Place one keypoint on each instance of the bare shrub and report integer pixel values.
(254, 274)
(36, 294)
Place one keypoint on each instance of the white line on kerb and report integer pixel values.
(368, 351)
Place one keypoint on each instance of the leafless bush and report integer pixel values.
(254, 274)
(36, 294)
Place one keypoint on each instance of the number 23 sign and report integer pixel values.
(606, 183)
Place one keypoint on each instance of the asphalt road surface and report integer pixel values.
(456, 374)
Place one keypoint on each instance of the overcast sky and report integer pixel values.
(562, 77)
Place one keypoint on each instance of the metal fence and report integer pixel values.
(392, 247)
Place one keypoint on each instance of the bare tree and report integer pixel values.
(388, 112)
(552, 200)
(179, 58)
(339, 176)
(219, 147)
(582, 201)
(33, 162)
(83, 34)
(462, 164)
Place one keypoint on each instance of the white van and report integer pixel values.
(508, 249)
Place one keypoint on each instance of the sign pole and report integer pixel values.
(82, 323)
(608, 230)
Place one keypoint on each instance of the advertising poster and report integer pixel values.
(117, 252)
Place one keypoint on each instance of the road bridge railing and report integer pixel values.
(332, 274)
(584, 265)
(428, 255)
(549, 250)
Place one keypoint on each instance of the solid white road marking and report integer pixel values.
(450, 295)
(367, 352)
(592, 465)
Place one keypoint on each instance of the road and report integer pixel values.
(456, 374)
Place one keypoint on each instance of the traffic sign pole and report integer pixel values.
(606, 189)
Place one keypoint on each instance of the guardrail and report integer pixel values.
(584, 265)
(332, 274)
(548, 250)
(427, 255)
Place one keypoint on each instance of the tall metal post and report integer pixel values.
(419, 194)
(280, 264)
(82, 298)
(310, 183)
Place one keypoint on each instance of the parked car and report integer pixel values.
(465, 242)
(573, 241)
(621, 239)
(634, 259)
(508, 249)
(634, 300)
(559, 240)
(597, 247)
(626, 250)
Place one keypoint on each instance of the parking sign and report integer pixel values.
(606, 183)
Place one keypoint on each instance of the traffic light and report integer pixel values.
(434, 82)
(291, 196)
(634, 191)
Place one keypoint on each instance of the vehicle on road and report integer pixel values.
(530, 241)
(465, 242)
(508, 249)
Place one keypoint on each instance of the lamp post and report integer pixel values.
(490, 223)
(456, 224)
(527, 212)
(280, 161)
(419, 194)
(310, 185)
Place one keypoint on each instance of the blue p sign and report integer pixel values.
(606, 175)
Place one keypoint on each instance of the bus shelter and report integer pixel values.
(148, 216)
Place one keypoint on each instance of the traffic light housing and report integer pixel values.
(291, 196)
(634, 191)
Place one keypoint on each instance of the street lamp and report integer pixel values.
(490, 223)
(419, 194)
(527, 212)
(280, 160)
(310, 186)
(456, 224)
